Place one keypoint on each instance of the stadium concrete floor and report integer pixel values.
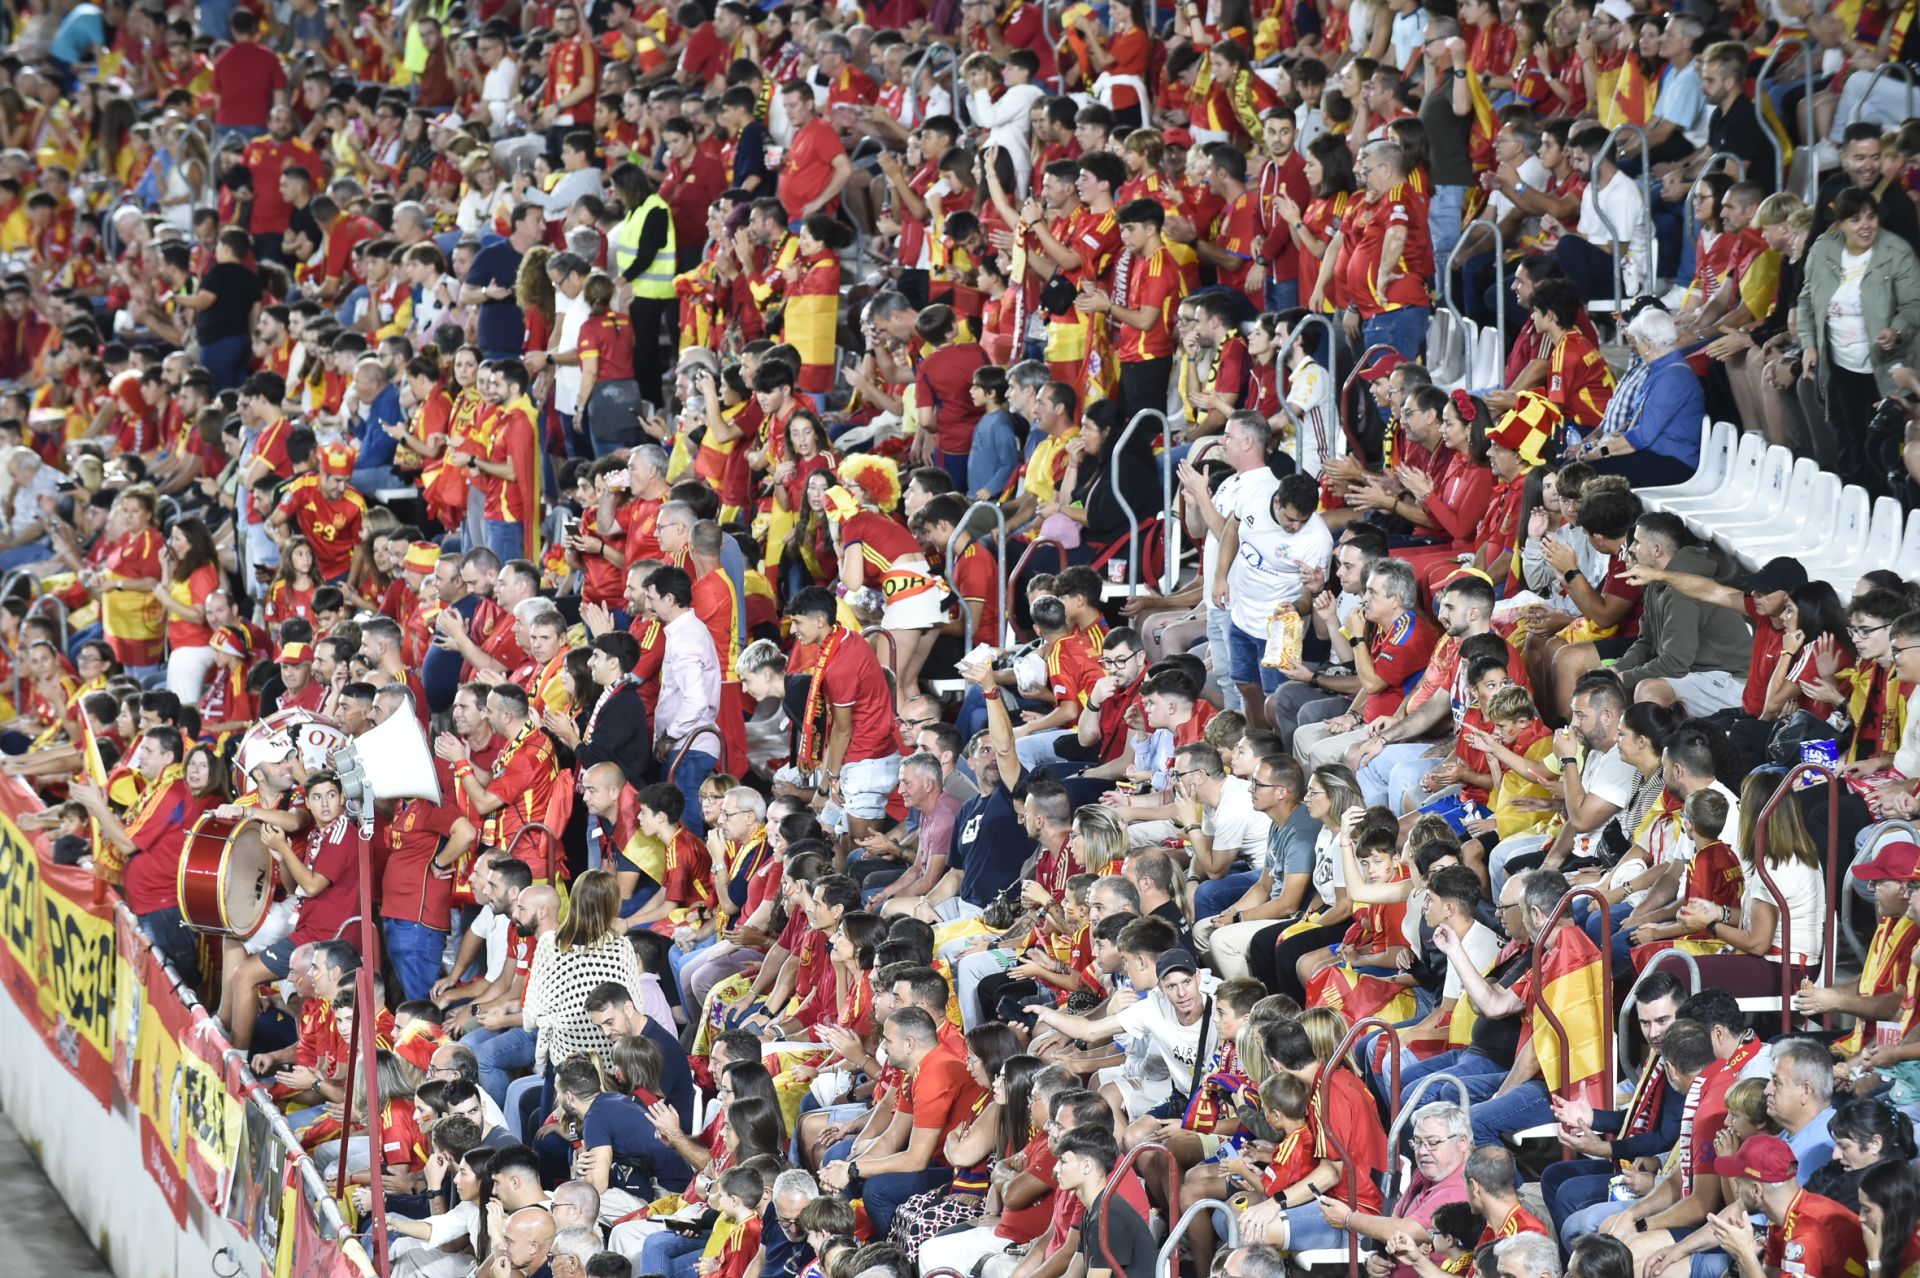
(42, 1239)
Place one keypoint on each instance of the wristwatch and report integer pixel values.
(853, 1171)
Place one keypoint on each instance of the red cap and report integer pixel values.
(1383, 366)
(1896, 860)
(1766, 1159)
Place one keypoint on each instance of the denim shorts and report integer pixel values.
(1243, 659)
(866, 785)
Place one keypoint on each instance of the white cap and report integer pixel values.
(1618, 10)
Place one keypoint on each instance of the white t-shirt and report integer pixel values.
(1179, 1045)
(1311, 396)
(1804, 889)
(1329, 875)
(1482, 947)
(1606, 775)
(572, 314)
(1623, 204)
(497, 91)
(1233, 823)
(1225, 499)
(1535, 176)
(1267, 571)
(1847, 316)
(497, 928)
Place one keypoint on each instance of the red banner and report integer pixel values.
(58, 952)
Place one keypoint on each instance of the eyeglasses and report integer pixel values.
(1115, 663)
(1858, 631)
(1431, 1142)
(1266, 785)
(1896, 651)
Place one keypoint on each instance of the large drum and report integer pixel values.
(226, 877)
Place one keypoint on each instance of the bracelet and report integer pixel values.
(463, 769)
(991, 694)
(1568, 761)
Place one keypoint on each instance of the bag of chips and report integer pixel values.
(1286, 629)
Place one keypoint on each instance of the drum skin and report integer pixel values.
(226, 877)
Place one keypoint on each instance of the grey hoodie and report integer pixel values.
(1679, 635)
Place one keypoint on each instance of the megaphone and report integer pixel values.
(391, 761)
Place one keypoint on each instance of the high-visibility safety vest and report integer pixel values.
(656, 280)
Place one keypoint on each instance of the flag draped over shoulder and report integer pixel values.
(1570, 985)
(1632, 99)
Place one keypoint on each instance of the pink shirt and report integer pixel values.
(1423, 1198)
(689, 679)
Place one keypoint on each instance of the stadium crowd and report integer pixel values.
(962, 651)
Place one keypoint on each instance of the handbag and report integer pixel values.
(1795, 732)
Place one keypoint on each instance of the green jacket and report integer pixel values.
(1890, 295)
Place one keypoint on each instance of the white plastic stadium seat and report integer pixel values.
(1717, 444)
(1104, 86)
(1808, 522)
(1847, 541)
(1908, 565)
(1779, 508)
(1741, 482)
(1490, 368)
(1447, 349)
(1879, 547)
(1765, 503)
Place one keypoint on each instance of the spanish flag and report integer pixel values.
(1570, 979)
(1888, 954)
(1633, 97)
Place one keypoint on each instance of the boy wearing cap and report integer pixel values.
(1810, 1234)
(327, 512)
(302, 691)
(1762, 599)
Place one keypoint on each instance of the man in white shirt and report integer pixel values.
(1588, 252)
(1007, 117)
(689, 681)
(1175, 1016)
(1269, 533)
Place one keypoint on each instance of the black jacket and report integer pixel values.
(622, 735)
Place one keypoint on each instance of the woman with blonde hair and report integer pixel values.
(1758, 331)
(1100, 834)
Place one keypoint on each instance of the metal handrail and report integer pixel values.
(1124, 1166)
(953, 62)
(1690, 224)
(1499, 283)
(999, 571)
(1360, 366)
(1879, 830)
(1280, 368)
(1686, 960)
(1168, 1262)
(1646, 204)
(1021, 565)
(1760, 92)
(1323, 1089)
(1806, 100)
(1119, 495)
(39, 606)
(686, 747)
(893, 647)
(553, 841)
(1906, 77)
(1537, 1004)
(1779, 899)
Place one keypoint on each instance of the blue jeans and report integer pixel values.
(885, 1193)
(505, 539)
(1244, 652)
(1405, 330)
(1220, 648)
(1587, 1220)
(694, 768)
(660, 1250)
(1496, 1117)
(225, 359)
(1282, 295)
(1444, 213)
(416, 950)
(498, 1052)
(373, 479)
(1571, 1184)
(1379, 769)
(20, 556)
(1215, 895)
(678, 958)
(177, 943)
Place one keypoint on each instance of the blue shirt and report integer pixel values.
(376, 446)
(83, 29)
(500, 328)
(1813, 1144)
(996, 450)
(1667, 418)
(1681, 99)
